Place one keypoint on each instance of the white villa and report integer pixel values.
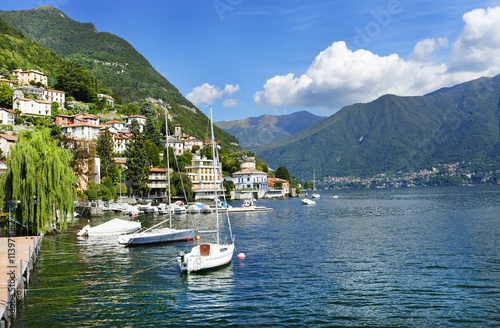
(7, 116)
(249, 178)
(191, 142)
(55, 96)
(139, 118)
(109, 101)
(177, 145)
(119, 126)
(85, 131)
(30, 105)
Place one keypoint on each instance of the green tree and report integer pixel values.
(282, 173)
(76, 81)
(152, 152)
(177, 185)
(40, 177)
(152, 132)
(6, 93)
(206, 152)
(54, 109)
(105, 148)
(92, 190)
(137, 161)
(228, 186)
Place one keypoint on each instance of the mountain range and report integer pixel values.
(114, 61)
(256, 131)
(395, 133)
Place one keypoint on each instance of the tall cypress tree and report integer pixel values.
(152, 133)
(105, 148)
(137, 162)
(39, 175)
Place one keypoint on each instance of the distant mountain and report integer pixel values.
(394, 133)
(112, 60)
(256, 131)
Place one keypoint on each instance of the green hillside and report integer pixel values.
(112, 60)
(17, 50)
(398, 133)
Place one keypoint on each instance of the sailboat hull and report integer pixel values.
(163, 235)
(205, 257)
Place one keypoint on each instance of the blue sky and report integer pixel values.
(252, 57)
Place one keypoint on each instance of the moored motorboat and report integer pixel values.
(307, 201)
(110, 228)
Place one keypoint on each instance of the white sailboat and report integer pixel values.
(210, 255)
(155, 234)
(315, 193)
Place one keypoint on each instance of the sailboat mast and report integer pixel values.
(167, 189)
(215, 174)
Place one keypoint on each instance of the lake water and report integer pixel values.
(422, 257)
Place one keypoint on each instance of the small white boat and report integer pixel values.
(195, 208)
(335, 196)
(210, 255)
(111, 228)
(307, 201)
(206, 209)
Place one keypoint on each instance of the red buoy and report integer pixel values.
(241, 256)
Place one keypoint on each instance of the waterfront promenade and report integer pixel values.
(17, 258)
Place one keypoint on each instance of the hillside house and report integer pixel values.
(64, 119)
(119, 126)
(121, 141)
(85, 131)
(191, 142)
(139, 118)
(30, 106)
(7, 116)
(86, 118)
(7, 141)
(55, 96)
(177, 145)
(108, 100)
(31, 75)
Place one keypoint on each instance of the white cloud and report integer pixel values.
(477, 48)
(204, 94)
(207, 93)
(231, 89)
(231, 103)
(424, 49)
(339, 76)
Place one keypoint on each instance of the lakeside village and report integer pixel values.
(30, 99)
(456, 174)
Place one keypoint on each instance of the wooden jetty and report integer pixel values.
(18, 256)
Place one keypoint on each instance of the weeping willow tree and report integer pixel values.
(40, 177)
